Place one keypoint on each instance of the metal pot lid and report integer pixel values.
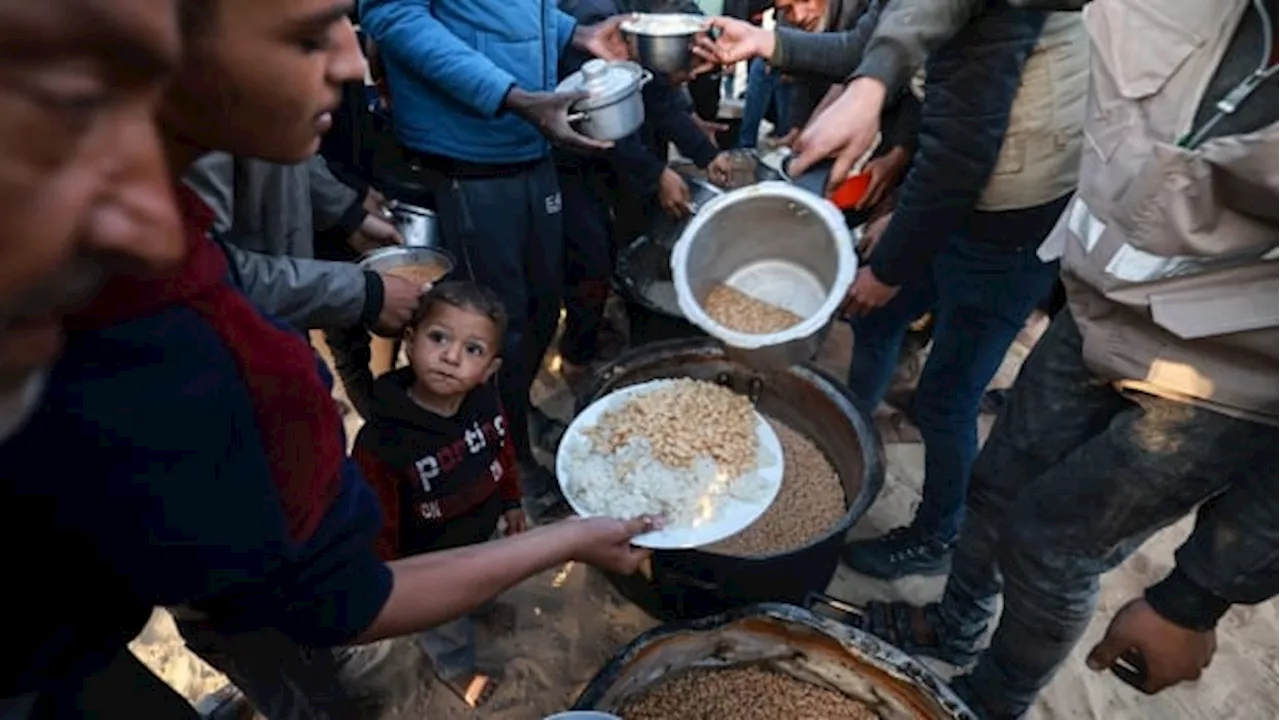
(606, 82)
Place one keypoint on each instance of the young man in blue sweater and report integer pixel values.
(474, 102)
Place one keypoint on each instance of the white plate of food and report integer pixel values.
(693, 452)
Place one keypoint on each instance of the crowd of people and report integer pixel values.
(187, 183)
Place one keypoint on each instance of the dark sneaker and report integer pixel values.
(903, 551)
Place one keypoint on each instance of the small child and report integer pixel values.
(436, 451)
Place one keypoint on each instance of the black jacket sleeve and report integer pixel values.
(831, 55)
(907, 32)
(1229, 559)
(971, 85)
(901, 123)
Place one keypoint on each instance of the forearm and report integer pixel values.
(1229, 559)
(907, 32)
(962, 125)
(437, 587)
(307, 294)
(831, 55)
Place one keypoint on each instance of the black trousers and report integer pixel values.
(507, 233)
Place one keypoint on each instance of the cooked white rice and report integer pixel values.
(708, 437)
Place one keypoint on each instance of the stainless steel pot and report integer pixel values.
(787, 639)
(417, 225)
(779, 244)
(663, 42)
(614, 107)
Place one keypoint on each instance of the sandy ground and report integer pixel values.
(570, 620)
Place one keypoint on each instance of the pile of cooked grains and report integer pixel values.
(810, 502)
(739, 311)
(683, 421)
(673, 451)
(742, 693)
(419, 274)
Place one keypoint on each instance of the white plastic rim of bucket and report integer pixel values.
(582, 715)
(845, 272)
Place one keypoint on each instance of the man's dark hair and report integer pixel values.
(464, 295)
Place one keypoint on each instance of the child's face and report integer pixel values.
(453, 350)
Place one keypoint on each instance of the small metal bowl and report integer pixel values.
(663, 42)
(403, 261)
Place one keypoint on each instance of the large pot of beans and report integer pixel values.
(766, 662)
(834, 471)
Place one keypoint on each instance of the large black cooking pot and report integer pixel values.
(642, 274)
(788, 639)
(695, 583)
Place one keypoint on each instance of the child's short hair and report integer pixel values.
(464, 295)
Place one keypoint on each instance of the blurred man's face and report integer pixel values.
(804, 14)
(83, 187)
(260, 78)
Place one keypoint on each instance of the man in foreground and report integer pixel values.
(219, 482)
(83, 194)
(1153, 393)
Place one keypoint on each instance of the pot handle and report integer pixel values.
(576, 117)
(844, 613)
(646, 77)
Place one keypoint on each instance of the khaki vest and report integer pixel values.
(1173, 285)
(1040, 155)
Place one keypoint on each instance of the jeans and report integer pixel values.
(506, 233)
(286, 681)
(981, 293)
(764, 87)
(1075, 476)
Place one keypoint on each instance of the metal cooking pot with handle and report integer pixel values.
(614, 107)
(417, 225)
(787, 639)
(779, 244)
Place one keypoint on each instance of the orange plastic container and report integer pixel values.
(852, 190)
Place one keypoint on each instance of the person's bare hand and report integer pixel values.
(399, 300)
(549, 112)
(886, 172)
(871, 234)
(866, 294)
(374, 201)
(844, 131)
(374, 233)
(720, 169)
(1171, 653)
(516, 521)
(709, 128)
(603, 39)
(737, 41)
(606, 542)
(673, 194)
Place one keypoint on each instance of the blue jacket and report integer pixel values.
(450, 64)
